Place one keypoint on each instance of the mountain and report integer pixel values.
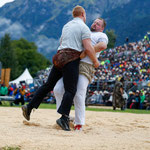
(41, 21)
(131, 20)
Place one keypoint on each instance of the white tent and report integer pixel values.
(25, 76)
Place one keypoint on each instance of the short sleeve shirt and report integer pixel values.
(96, 37)
(73, 33)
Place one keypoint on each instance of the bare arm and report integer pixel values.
(121, 90)
(98, 47)
(89, 50)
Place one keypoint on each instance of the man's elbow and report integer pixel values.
(104, 46)
(100, 46)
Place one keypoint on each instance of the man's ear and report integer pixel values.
(82, 14)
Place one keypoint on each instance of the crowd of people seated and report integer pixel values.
(3, 91)
(131, 60)
(22, 93)
(138, 99)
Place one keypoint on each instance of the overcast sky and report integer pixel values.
(2, 2)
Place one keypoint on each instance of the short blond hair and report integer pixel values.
(77, 11)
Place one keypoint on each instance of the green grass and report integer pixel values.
(136, 111)
(53, 106)
(10, 148)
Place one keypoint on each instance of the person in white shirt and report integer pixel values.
(74, 39)
(86, 73)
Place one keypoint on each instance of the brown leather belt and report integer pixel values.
(65, 56)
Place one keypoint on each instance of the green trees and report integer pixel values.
(8, 56)
(112, 38)
(21, 54)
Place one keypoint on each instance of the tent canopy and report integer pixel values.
(25, 76)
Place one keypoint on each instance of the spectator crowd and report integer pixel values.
(131, 60)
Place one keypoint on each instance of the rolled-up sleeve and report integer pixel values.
(86, 33)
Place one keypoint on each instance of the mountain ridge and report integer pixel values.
(41, 21)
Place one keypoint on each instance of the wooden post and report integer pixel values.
(5, 76)
(2, 76)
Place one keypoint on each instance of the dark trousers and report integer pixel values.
(21, 100)
(70, 73)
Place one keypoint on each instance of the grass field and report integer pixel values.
(99, 108)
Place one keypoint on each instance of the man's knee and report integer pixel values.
(55, 90)
(79, 98)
